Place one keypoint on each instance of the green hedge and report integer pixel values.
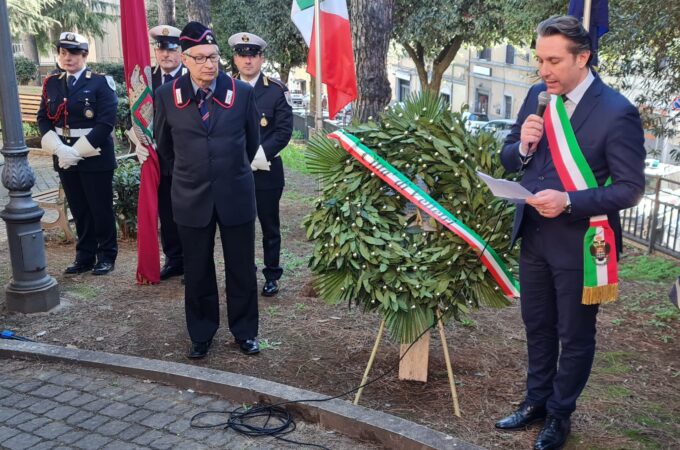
(26, 69)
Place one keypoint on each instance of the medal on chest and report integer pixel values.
(263, 121)
(88, 111)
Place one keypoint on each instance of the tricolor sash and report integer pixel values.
(600, 279)
(395, 179)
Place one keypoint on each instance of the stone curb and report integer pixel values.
(353, 421)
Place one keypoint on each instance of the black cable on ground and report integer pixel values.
(283, 422)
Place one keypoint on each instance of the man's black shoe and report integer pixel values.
(249, 346)
(199, 349)
(102, 268)
(554, 434)
(78, 267)
(523, 417)
(271, 287)
(171, 271)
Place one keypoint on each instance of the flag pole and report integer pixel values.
(318, 114)
(586, 14)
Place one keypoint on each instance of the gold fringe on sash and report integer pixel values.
(600, 294)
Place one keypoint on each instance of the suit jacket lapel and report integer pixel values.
(260, 88)
(220, 93)
(188, 95)
(589, 101)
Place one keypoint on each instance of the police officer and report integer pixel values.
(169, 67)
(206, 123)
(76, 117)
(276, 127)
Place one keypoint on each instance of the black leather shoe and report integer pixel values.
(523, 417)
(102, 268)
(198, 350)
(249, 346)
(271, 287)
(554, 434)
(78, 267)
(171, 271)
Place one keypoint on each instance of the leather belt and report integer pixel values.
(72, 132)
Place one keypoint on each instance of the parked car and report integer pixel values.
(297, 98)
(473, 121)
(499, 128)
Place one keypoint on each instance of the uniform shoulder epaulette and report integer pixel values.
(278, 83)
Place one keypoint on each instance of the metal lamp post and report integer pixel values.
(31, 289)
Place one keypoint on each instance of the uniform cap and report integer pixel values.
(166, 36)
(72, 41)
(247, 44)
(195, 33)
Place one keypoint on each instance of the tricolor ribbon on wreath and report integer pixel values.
(395, 179)
(600, 278)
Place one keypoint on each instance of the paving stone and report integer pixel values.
(132, 432)
(33, 424)
(24, 401)
(117, 410)
(67, 396)
(220, 405)
(148, 437)
(28, 386)
(42, 406)
(74, 436)
(159, 405)
(113, 428)
(78, 418)
(79, 382)
(95, 386)
(7, 432)
(20, 418)
(94, 422)
(109, 392)
(124, 395)
(21, 441)
(8, 413)
(63, 379)
(61, 412)
(191, 445)
(48, 391)
(97, 405)
(158, 420)
(5, 392)
(83, 399)
(180, 408)
(179, 427)
(164, 392)
(166, 442)
(202, 400)
(44, 445)
(140, 400)
(218, 438)
(92, 442)
(10, 382)
(117, 445)
(52, 430)
(138, 416)
(43, 374)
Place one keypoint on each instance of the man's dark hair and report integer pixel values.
(570, 28)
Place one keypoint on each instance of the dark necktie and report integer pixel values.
(565, 98)
(71, 81)
(203, 95)
(166, 77)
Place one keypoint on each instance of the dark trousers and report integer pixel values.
(268, 215)
(90, 199)
(201, 299)
(172, 246)
(560, 330)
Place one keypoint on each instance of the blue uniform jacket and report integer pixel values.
(610, 135)
(210, 167)
(91, 92)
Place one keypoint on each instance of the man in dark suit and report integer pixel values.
(560, 328)
(206, 123)
(76, 117)
(169, 67)
(276, 127)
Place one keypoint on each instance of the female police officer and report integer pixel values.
(76, 117)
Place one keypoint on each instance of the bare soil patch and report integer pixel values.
(632, 400)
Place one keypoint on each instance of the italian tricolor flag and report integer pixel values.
(337, 58)
(600, 270)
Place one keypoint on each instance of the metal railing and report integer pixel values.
(655, 221)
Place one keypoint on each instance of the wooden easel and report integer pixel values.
(413, 366)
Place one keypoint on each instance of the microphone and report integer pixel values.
(543, 102)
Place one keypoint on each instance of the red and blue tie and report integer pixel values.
(203, 95)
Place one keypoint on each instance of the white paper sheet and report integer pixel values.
(509, 190)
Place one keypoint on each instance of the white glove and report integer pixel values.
(140, 150)
(260, 161)
(84, 148)
(50, 142)
(68, 156)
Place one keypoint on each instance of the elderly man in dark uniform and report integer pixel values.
(169, 66)
(76, 117)
(584, 161)
(206, 123)
(276, 127)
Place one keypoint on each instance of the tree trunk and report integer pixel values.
(284, 71)
(166, 13)
(199, 10)
(30, 47)
(439, 65)
(372, 22)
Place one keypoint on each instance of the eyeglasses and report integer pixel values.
(200, 59)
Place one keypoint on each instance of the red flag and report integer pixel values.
(137, 61)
